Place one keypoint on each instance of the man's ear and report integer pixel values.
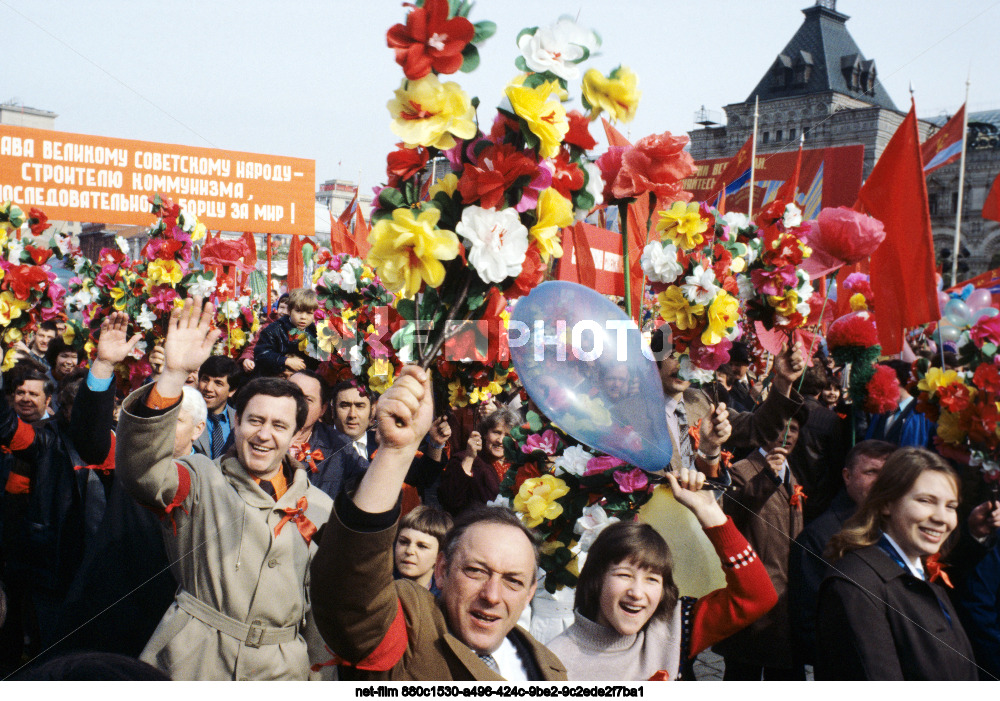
(199, 429)
(440, 570)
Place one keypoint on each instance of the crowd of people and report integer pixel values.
(243, 519)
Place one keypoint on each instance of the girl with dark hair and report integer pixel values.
(880, 615)
(473, 477)
(631, 624)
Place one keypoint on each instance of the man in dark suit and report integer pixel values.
(742, 394)
(352, 413)
(218, 379)
(819, 453)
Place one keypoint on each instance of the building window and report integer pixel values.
(791, 134)
(954, 202)
(777, 135)
(805, 132)
(767, 136)
(932, 203)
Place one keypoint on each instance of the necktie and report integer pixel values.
(218, 440)
(269, 489)
(490, 662)
(683, 437)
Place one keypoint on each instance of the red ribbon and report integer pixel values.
(298, 516)
(305, 454)
(935, 570)
(798, 497)
(661, 675)
(333, 661)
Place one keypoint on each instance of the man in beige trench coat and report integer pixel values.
(238, 530)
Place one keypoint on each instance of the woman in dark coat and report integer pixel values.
(473, 477)
(880, 614)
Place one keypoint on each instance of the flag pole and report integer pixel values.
(961, 187)
(753, 156)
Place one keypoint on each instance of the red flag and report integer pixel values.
(736, 170)
(340, 238)
(295, 266)
(586, 271)
(902, 269)
(790, 187)
(361, 231)
(615, 137)
(945, 145)
(638, 216)
(348, 213)
(991, 207)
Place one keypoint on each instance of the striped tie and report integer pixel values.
(218, 440)
(490, 662)
(683, 437)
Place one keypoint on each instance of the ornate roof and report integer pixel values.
(822, 57)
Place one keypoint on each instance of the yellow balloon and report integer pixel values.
(697, 570)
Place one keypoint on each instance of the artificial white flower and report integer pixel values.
(792, 217)
(348, 279)
(558, 48)
(573, 461)
(202, 287)
(357, 359)
(139, 352)
(592, 521)
(122, 244)
(736, 222)
(498, 242)
(700, 287)
(595, 183)
(230, 309)
(145, 319)
(746, 288)
(659, 262)
(187, 221)
(499, 501)
(690, 372)
(14, 248)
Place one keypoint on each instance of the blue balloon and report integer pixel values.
(584, 364)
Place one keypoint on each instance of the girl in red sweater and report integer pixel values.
(631, 625)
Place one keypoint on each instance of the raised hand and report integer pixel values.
(716, 430)
(114, 345)
(777, 458)
(687, 486)
(404, 413)
(191, 334)
(788, 367)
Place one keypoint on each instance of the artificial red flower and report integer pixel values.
(528, 470)
(404, 163)
(579, 131)
(504, 126)
(772, 214)
(846, 234)
(38, 255)
(498, 169)
(883, 391)
(981, 421)
(165, 249)
(987, 378)
(656, 163)
(37, 221)
(610, 163)
(986, 330)
(22, 279)
(429, 40)
(567, 176)
(928, 408)
(954, 397)
(532, 272)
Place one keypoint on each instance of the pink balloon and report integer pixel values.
(943, 300)
(979, 299)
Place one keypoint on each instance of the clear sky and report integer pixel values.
(310, 78)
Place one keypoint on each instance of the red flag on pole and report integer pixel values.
(736, 174)
(790, 187)
(991, 207)
(615, 137)
(902, 269)
(945, 145)
(348, 213)
(295, 266)
(361, 230)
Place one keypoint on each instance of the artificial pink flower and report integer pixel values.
(602, 463)
(774, 282)
(710, 357)
(610, 164)
(986, 330)
(547, 442)
(632, 481)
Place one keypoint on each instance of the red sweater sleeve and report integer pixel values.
(748, 595)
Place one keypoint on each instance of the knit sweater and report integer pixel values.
(593, 652)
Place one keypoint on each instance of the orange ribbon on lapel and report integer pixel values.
(298, 516)
(798, 497)
(660, 675)
(306, 455)
(935, 570)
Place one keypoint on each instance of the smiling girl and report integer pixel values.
(880, 615)
(631, 624)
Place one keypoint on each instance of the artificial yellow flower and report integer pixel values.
(493, 388)
(198, 232)
(858, 302)
(426, 112)
(89, 347)
(69, 335)
(237, 339)
(10, 307)
(682, 225)
(407, 251)
(723, 313)
(559, 90)
(936, 379)
(164, 272)
(554, 212)
(786, 306)
(327, 337)
(536, 499)
(675, 309)
(617, 94)
(118, 295)
(948, 428)
(457, 396)
(546, 118)
(13, 335)
(9, 360)
(448, 184)
(380, 376)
